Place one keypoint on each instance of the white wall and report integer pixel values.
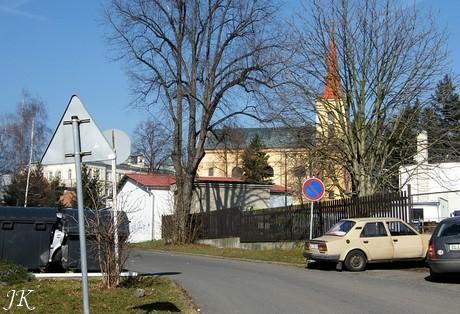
(429, 178)
(137, 204)
(144, 208)
(163, 200)
(278, 200)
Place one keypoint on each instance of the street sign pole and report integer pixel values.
(313, 189)
(311, 220)
(95, 147)
(81, 218)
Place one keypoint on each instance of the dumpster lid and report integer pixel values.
(70, 219)
(39, 214)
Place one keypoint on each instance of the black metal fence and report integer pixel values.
(293, 223)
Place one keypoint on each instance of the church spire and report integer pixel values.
(332, 83)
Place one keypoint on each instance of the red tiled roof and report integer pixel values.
(150, 180)
(279, 188)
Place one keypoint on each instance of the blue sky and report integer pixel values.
(56, 48)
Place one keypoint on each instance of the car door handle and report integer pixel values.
(395, 240)
(366, 241)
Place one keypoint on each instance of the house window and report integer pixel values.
(58, 174)
(269, 171)
(237, 172)
(299, 171)
(69, 174)
(50, 175)
(211, 172)
(330, 124)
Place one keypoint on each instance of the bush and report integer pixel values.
(11, 273)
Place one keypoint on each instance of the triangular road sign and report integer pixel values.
(92, 139)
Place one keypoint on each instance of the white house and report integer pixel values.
(146, 198)
(66, 172)
(435, 187)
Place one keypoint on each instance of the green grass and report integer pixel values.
(291, 256)
(64, 296)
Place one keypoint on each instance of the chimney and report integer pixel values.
(422, 148)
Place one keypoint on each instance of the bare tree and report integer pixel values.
(153, 141)
(101, 229)
(228, 144)
(192, 61)
(375, 60)
(15, 131)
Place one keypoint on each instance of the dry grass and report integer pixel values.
(291, 256)
(64, 296)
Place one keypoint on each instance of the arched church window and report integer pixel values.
(237, 172)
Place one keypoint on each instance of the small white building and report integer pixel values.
(146, 198)
(435, 187)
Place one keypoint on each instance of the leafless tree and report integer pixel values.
(229, 143)
(101, 228)
(15, 133)
(153, 141)
(192, 62)
(377, 60)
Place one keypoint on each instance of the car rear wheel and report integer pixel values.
(355, 261)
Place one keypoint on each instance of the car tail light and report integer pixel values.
(431, 251)
(322, 247)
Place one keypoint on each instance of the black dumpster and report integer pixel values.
(26, 234)
(71, 245)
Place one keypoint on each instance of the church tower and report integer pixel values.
(329, 107)
(330, 124)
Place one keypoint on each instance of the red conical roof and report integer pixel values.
(332, 86)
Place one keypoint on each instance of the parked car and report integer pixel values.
(358, 241)
(444, 248)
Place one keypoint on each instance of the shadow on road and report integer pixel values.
(418, 266)
(444, 278)
(321, 266)
(406, 265)
(158, 306)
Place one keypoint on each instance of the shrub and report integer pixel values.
(11, 273)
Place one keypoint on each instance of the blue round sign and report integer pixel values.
(313, 189)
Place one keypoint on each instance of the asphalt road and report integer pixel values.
(228, 286)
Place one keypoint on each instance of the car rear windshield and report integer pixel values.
(448, 229)
(341, 228)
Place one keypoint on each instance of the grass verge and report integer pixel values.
(290, 256)
(64, 296)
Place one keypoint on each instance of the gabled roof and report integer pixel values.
(163, 181)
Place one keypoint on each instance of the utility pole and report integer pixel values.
(30, 160)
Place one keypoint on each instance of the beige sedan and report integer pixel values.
(358, 241)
